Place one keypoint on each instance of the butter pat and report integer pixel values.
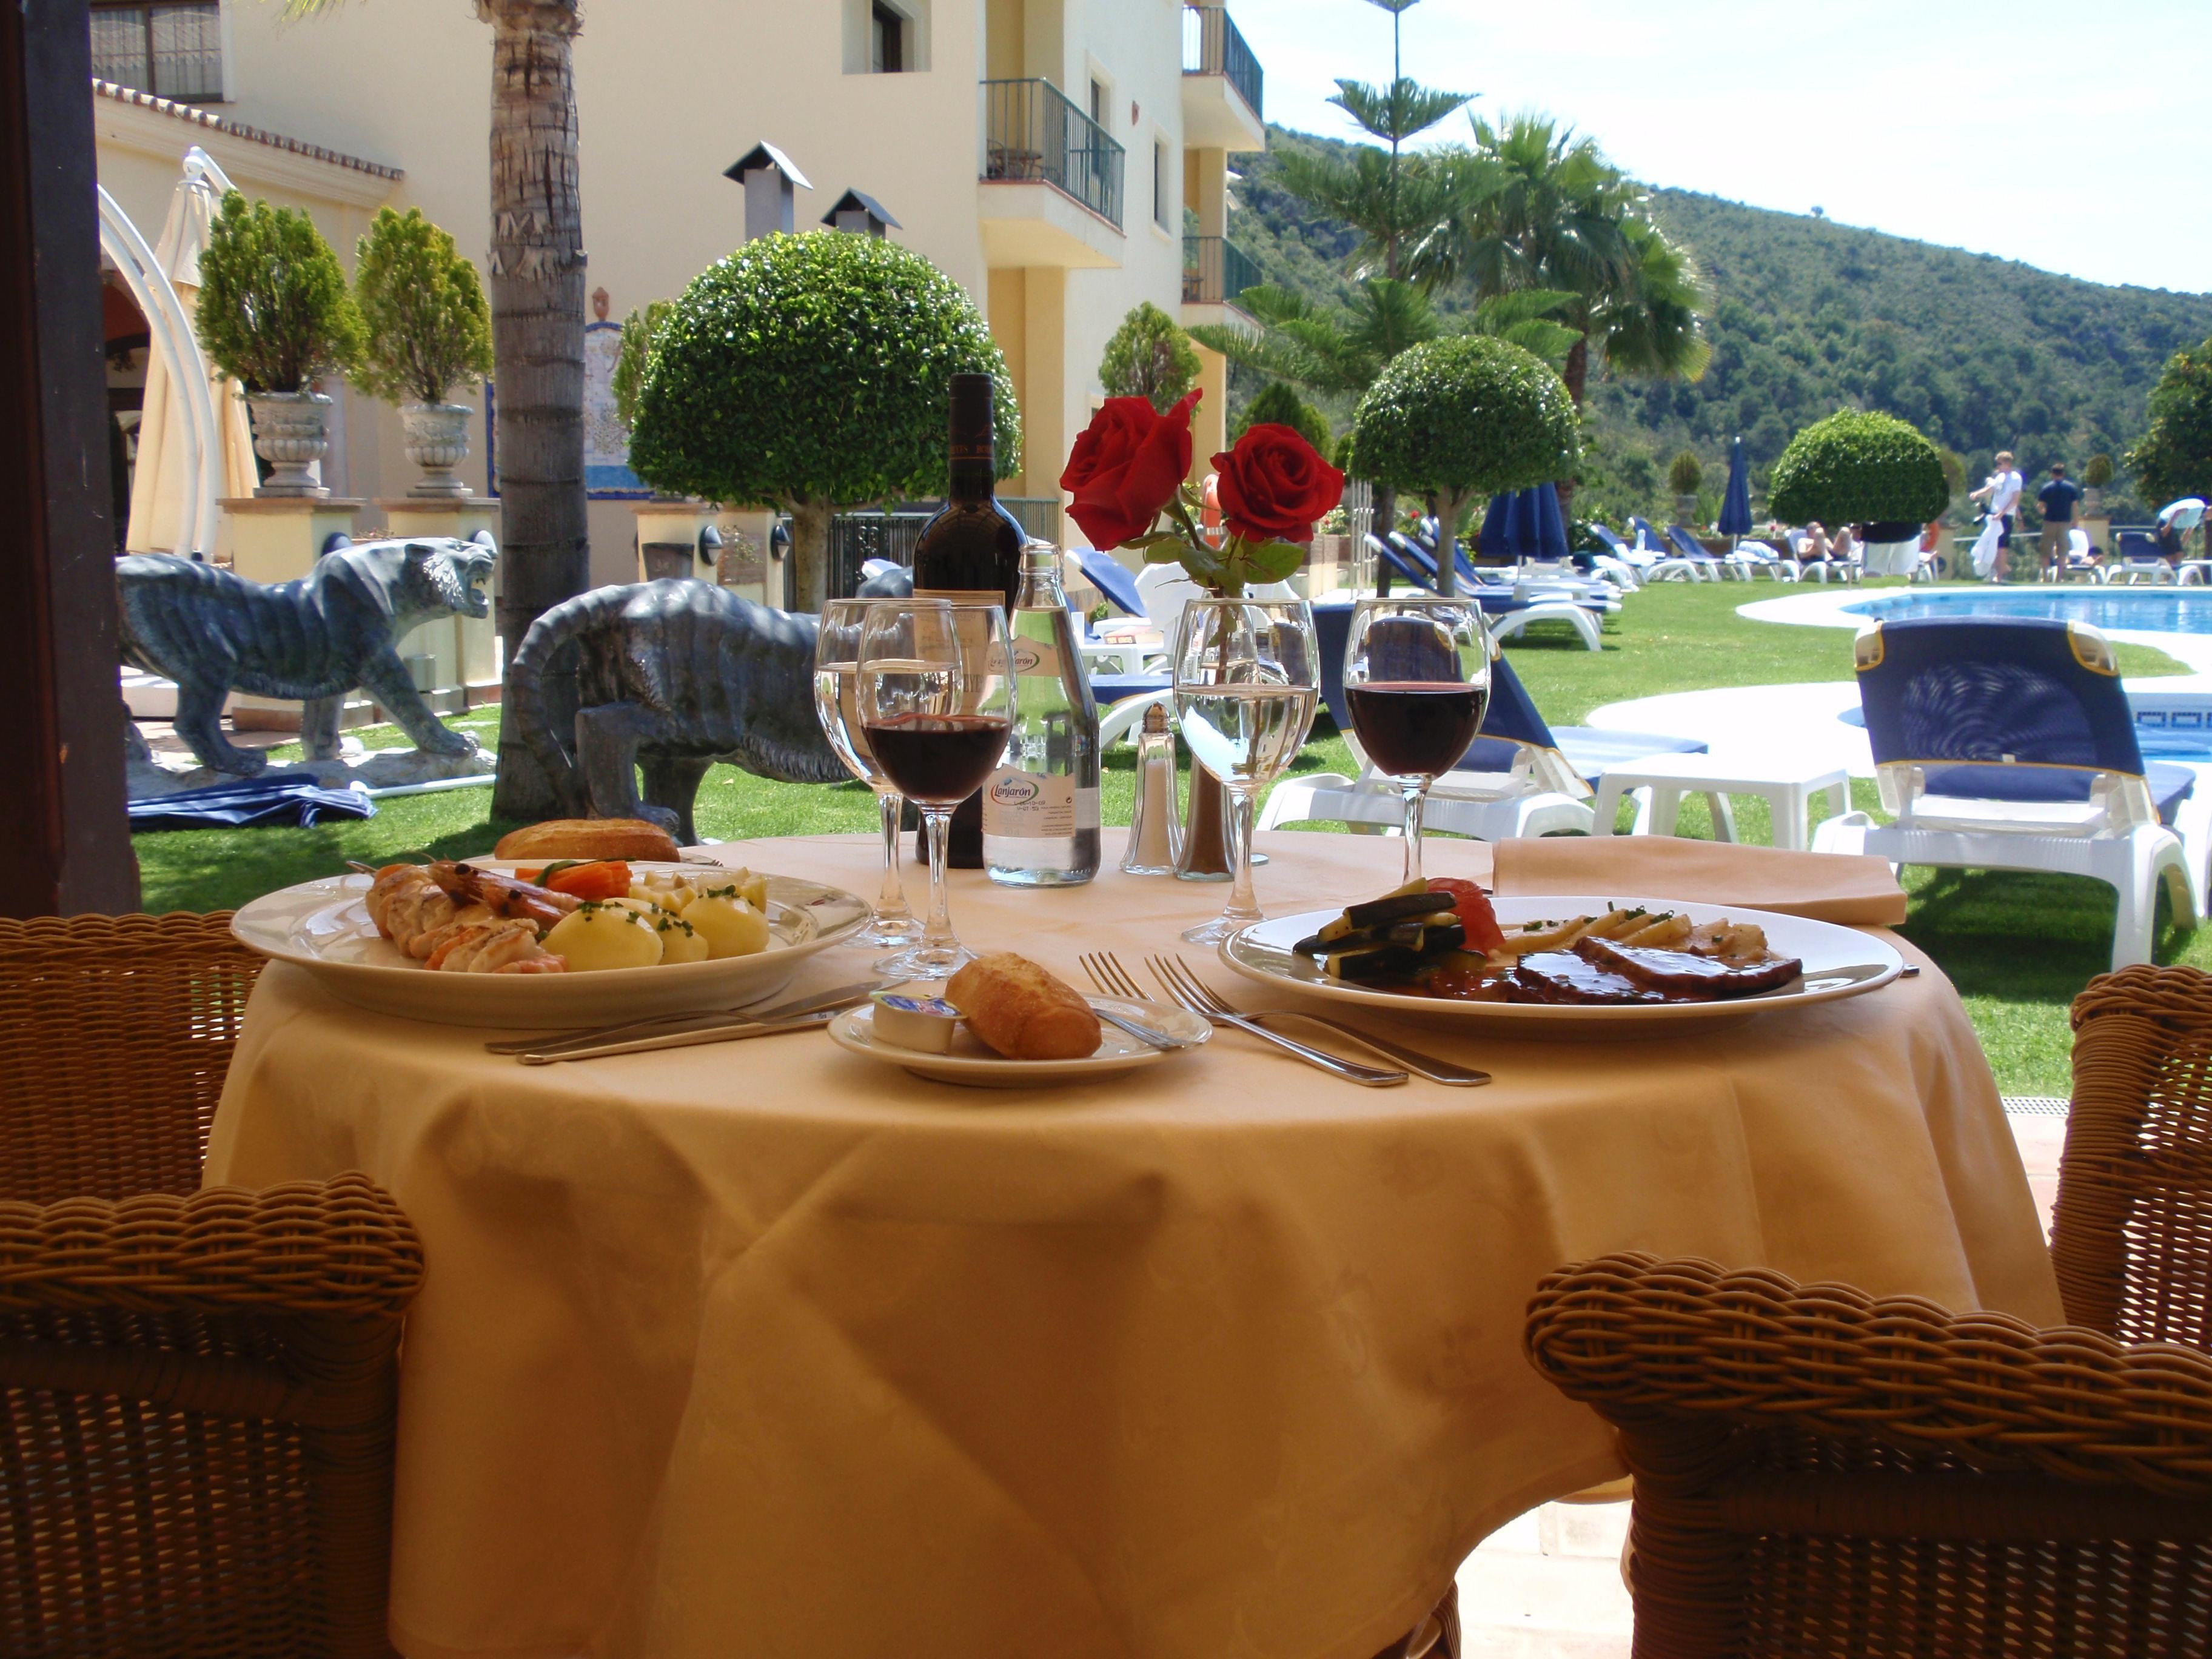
(924, 1024)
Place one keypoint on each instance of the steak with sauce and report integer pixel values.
(1682, 976)
(1561, 976)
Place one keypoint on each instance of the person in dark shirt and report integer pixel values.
(2057, 500)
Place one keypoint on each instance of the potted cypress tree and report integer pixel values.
(2094, 476)
(275, 316)
(1683, 475)
(429, 330)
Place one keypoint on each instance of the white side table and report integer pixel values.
(1661, 782)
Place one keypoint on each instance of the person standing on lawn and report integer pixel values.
(2057, 499)
(2001, 490)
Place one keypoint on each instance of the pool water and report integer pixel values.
(2153, 611)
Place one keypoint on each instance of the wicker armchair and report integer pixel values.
(2132, 1231)
(199, 1389)
(1821, 1474)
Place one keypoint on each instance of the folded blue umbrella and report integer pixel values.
(1525, 524)
(263, 801)
(1736, 504)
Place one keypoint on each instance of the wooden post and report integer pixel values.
(64, 839)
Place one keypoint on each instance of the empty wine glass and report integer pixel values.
(1247, 679)
(1416, 682)
(836, 705)
(936, 703)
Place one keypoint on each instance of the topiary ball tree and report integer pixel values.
(1860, 467)
(807, 372)
(1150, 357)
(1463, 419)
(2174, 458)
(1279, 404)
(273, 311)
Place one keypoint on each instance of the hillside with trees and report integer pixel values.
(1979, 353)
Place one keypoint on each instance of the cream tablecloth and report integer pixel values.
(767, 1350)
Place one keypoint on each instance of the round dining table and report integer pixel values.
(768, 1349)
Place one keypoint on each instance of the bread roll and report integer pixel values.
(587, 838)
(1021, 1011)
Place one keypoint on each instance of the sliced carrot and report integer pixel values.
(608, 879)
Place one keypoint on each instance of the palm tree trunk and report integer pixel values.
(537, 271)
(809, 553)
(1575, 373)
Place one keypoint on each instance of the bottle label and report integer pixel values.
(1036, 659)
(1036, 805)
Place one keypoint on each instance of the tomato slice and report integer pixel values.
(1473, 904)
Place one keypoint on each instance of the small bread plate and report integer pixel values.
(976, 1066)
(323, 928)
(1838, 962)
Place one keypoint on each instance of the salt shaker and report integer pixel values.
(1155, 828)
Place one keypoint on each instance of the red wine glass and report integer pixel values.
(937, 703)
(1417, 684)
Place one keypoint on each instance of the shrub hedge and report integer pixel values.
(428, 327)
(1467, 414)
(274, 314)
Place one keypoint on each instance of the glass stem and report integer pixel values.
(1417, 796)
(890, 901)
(1242, 905)
(937, 932)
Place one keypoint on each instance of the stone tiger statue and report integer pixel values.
(671, 676)
(314, 639)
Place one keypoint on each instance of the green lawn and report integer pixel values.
(2018, 946)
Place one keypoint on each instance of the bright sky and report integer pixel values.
(2074, 134)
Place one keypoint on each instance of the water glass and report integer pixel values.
(836, 705)
(1247, 681)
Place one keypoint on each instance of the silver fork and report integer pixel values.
(1113, 979)
(1428, 1065)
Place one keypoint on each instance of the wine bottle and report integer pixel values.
(970, 550)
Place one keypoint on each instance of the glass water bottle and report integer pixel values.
(1040, 806)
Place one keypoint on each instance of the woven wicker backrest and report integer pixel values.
(2131, 1233)
(115, 1036)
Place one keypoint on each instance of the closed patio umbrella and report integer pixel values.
(1525, 524)
(1735, 506)
(162, 495)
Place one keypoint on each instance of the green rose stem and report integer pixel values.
(1206, 850)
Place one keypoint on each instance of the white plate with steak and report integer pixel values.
(1613, 987)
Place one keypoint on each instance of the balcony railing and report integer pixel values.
(1215, 271)
(1212, 45)
(172, 50)
(1032, 131)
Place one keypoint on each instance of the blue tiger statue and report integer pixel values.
(315, 639)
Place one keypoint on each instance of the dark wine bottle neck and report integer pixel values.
(973, 480)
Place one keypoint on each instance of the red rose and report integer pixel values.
(1275, 486)
(1128, 465)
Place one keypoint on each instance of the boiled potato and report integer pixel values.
(735, 883)
(730, 926)
(638, 904)
(680, 941)
(600, 936)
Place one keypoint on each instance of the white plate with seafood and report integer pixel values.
(1835, 962)
(325, 927)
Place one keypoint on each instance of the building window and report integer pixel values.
(173, 51)
(1160, 183)
(1099, 103)
(887, 39)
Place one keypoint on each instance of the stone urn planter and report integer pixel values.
(437, 441)
(2093, 500)
(291, 433)
(1686, 509)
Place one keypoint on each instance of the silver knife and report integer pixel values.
(737, 1031)
(845, 996)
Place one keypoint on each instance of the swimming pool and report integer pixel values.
(2144, 610)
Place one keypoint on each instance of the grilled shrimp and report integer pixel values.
(503, 895)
